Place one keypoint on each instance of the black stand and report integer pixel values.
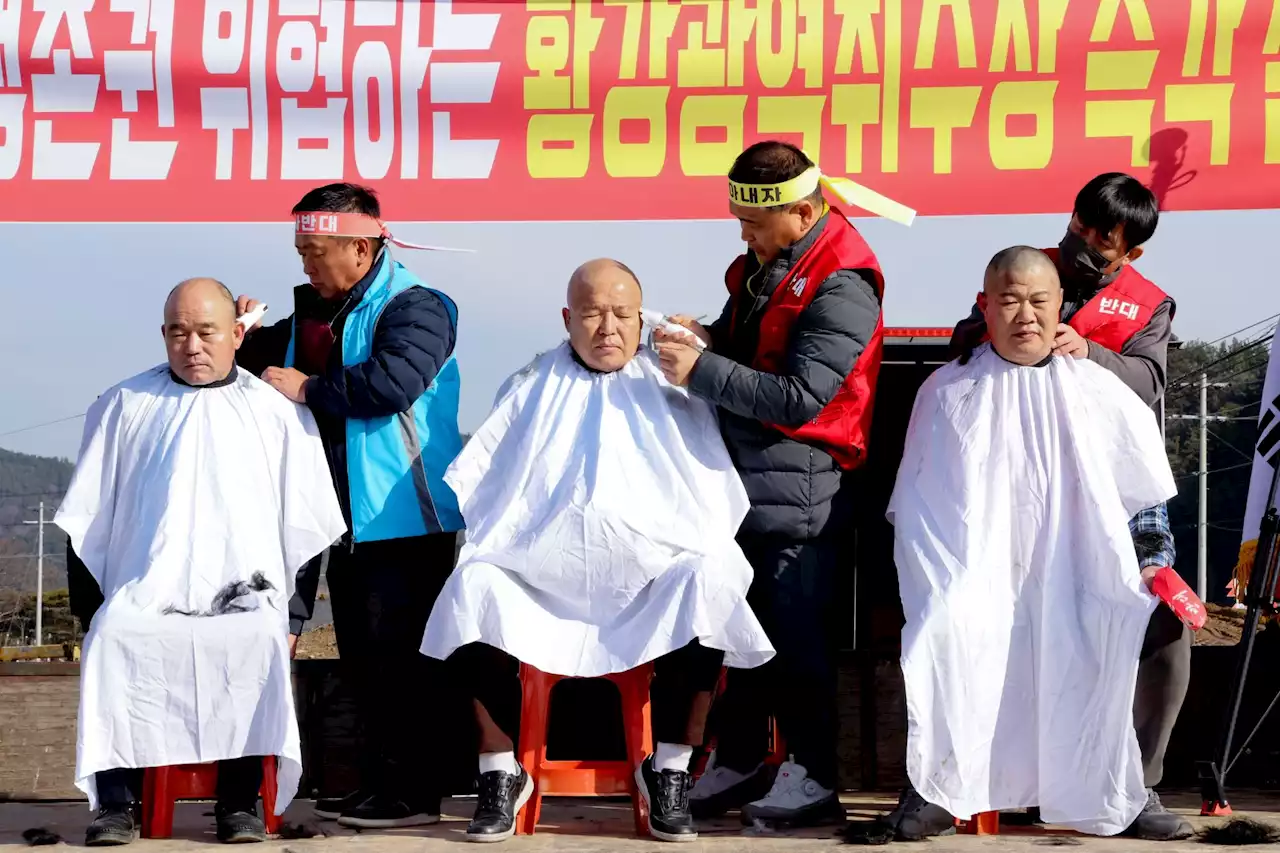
(1260, 596)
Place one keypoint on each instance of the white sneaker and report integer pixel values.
(719, 789)
(795, 799)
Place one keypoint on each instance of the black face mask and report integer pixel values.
(1082, 263)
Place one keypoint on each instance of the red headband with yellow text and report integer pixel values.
(328, 224)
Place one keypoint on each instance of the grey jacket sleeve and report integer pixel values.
(1141, 362)
(826, 341)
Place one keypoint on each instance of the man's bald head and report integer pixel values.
(200, 331)
(203, 287)
(594, 271)
(1021, 299)
(603, 313)
(1023, 263)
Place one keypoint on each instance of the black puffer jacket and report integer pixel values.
(795, 489)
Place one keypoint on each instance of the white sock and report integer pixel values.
(672, 756)
(504, 761)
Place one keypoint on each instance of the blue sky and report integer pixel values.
(83, 303)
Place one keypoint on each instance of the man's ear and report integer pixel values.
(982, 301)
(564, 312)
(364, 248)
(806, 210)
(163, 334)
(237, 334)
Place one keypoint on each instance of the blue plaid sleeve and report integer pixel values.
(1153, 537)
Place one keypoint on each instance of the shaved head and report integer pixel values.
(592, 271)
(200, 331)
(1019, 262)
(603, 314)
(203, 286)
(1021, 299)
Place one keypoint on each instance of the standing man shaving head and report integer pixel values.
(791, 364)
(369, 349)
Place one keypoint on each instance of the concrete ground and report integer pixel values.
(594, 826)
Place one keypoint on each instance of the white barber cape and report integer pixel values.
(601, 511)
(1025, 609)
(179, 492)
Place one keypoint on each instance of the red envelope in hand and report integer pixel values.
(1170, 588)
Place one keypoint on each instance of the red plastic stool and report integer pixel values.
(983, 823)
(582, 778)
(164, 786)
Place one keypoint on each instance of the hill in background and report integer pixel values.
(24, 482)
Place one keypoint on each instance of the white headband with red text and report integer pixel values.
(328, 224)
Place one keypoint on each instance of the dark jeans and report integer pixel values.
(683, 682)
(793, 596)
(239, 781)
(1164, 671)
(382, 594)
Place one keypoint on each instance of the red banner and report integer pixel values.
(228, 110)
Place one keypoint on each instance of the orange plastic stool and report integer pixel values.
(582, 778)
(164, 786)
(983, 823)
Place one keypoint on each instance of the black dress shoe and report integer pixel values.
(239, 827)
(387, 812)
(500, 798)
(114, 825)
(667, 793)
(332, 808)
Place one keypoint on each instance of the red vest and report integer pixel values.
(1118, 311)
(844, 424)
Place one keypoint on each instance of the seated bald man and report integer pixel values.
(1025, 596)
(601, 507)
(198, 495)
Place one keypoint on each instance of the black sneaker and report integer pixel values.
(332, 808)
(916, 819)
(235, 827)
(500, 798)
(1156, 823)
(667, 794)
(113, 826)
(382, 812)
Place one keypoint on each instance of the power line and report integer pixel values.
(1238, 451)
(1233, 354)
(1240, 332)
(1248, 464)
(45, 424)
(14, 495)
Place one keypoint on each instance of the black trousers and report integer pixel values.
(382, 593)
(239, 781)
(683, 682)
(1164, 671)
(793, 596)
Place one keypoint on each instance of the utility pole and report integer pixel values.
(1202, 545)
(1202, 526)
(39, 576)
